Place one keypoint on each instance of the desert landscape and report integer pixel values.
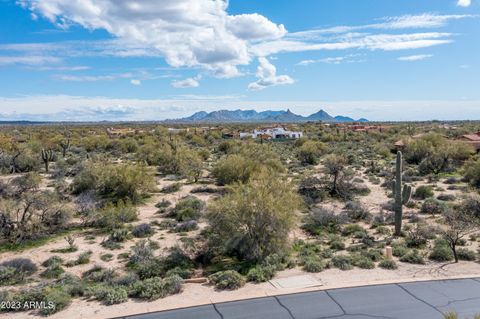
(108, 221)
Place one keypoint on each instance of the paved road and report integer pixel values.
(422, 300)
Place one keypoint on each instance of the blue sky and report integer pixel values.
(157, 59)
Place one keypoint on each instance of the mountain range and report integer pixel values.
(250, 116)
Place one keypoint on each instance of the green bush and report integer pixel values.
(433, 207)
(337, 245)
(142, 230)
(54, 260)
(466, 254)
(115, 295)
(59, 298)
(99, 274)
(363, 262)
(388, 264)
(188, 208)
(181, 272)
(10, 276)
(314, 264)
(52, 271)
(15, 271)
(172, 188)
(423, 192)
(155, 288)
(413, 257)
(310, 151)
(399, 250)
(441, 252)
(342, 262)
(114, 216)
(261, 273)
(227, 280)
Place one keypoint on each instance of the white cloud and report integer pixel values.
(385, 42)
(185, 32)
(81, 108)
(135, 82)
(464, 3)
(332, 60)
(267, 76)
(418, 57)
(93, 78)
(35, 60)
(187, 83)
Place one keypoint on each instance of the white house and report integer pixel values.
(272, 133)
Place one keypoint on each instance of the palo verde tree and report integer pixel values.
(461, 222)
(254, 219)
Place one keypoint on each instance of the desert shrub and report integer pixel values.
(23, 265)
(188, 208)
(441, 251)
(187, 226)
(163, 204)
(363, 262)
(115, 215)
(314, 264)
(115, 182)
(466, 254)
(15, 271)
(142, 230)
(205, 189)
(172, 188)
(423, 192)
(312, 190)
(399, 250)
(342, 262)
(310, 151)
(337, 245)
(59, 298)
(446, 197)
(320, 218)
(106, 257)
(119, 235)
(417, 236)
(472, 172)
(356, 211)
(141, 252)
(155, 288)
(388, 264)
(351, 229)
(413, 257)
(261, 273)
(113, 295)
(433, 207)
(99, 274)
(52, 271)
(383, 230)
(54, 260)
(237, 220)
(373, 254)
(181, 272)
(84, 258)
(227, 280)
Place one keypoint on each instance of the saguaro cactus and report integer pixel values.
(401, 194)
(47, 157)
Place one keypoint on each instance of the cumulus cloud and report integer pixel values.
(187, 83)
(187, 33)
(135, 82)
(267, 76)
(412, 58)
(464, 3)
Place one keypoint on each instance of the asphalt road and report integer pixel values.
(422, 300)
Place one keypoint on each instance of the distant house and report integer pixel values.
(115, 132)
(268, 133)
(472, 139)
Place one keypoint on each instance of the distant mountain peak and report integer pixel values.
(252, 116)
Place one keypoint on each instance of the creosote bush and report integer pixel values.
(227, 280)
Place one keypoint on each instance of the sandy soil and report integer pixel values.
(200, 294)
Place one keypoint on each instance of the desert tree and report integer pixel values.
(255, 218)
(460, 222)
